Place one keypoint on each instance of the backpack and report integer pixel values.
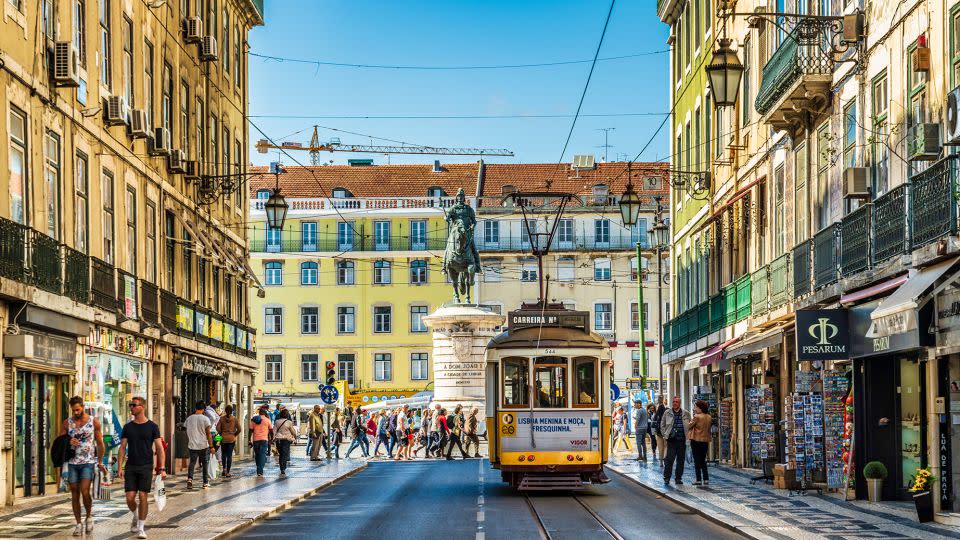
(256, 419)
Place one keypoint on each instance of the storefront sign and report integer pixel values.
(822, 334)
(109, 339)
(129, 299)
(195, 364)
(863, 341)
(54, 351)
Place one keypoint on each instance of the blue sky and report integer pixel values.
(461, 33)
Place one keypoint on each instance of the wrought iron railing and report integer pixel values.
(891, 233)
(760, 290)
(13, 249)
(332, 244)
(855, 229)
(797, 56)
(149, 302)
(780, 280)
(933, 202)
(802, 264)
(76, 275)
(826, 255)
(46, 267)
(103, 285)
(168, 310)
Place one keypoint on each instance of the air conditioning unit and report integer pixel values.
(583, 162)
(191, 169)
(115, 113)
(138, 124)
(66, 64)
(923, 142)
(952, 135)
(176, 161)
(193, 29)
(208, 49)
(160, 144)
(856, 183)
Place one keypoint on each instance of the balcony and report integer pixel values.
(45, 262)
(149, 302)
(795, 80)
(760, 291)
(103, 285)
(826, 256)
(618, 239)
(802, 263)
(323, 205)
(731, 305)
(891, 223)
(354, 243)
(780, 282)
(13, 250)
(855, 229)
(933, 207)
(76, 275)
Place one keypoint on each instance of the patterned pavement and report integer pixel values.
(759, 511)
(228, 504)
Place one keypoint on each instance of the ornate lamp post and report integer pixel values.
(276, 206)
(630, 211)
(660, 238)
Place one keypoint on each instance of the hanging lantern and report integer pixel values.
(276, 208)
(724, 72)
(629, 206)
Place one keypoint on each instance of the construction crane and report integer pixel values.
(334, 145)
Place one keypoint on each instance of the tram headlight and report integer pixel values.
(569, 457)
(579, 458)
(530, 458)
(522, 458)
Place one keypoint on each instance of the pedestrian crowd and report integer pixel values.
(668, 429)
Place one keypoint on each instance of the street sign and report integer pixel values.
(328, 394)
(330, 407)
(614, 392)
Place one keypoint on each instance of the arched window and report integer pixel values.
(274, 273)
(345, 273)
(309, 272)
(418, 272)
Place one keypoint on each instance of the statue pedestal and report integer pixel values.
(460, 336)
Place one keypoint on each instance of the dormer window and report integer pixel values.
(263, 194)
(600, 190)
(508, 189)
(341, 193)
(436, 192)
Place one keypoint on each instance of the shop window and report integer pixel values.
(550, 382)
(585, 382)
(515, 385)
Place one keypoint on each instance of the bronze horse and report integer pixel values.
(458, 262)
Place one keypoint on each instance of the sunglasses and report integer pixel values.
(132, 405)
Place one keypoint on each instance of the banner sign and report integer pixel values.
(551, 430)
(822, 334)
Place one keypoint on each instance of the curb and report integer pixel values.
(284, 506)
(684, 504)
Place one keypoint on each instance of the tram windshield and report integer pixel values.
(550, 380)
(585, 382)
(515, 385)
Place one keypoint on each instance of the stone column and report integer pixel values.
(461, 333)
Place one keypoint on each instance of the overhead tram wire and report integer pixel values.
(451, 116)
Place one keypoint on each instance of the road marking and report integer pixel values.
(480, 516)
(480, 500)
(480, 535)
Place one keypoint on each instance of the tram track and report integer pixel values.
(542, 523)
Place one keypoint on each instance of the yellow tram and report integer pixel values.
(548, 399)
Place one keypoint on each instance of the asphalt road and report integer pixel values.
(466, 500)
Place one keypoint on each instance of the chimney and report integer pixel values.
(436, 166)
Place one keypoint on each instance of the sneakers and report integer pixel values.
(89, 524)
(189, 483)
(141, 533)
(697, 483)
(133, 523)
(206, 486)
(78, 530)
(283, 475)
(706, 482)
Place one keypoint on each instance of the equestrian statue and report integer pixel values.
(461, 261)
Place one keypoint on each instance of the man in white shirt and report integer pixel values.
(200, 443)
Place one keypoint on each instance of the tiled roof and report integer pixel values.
(415, 180)
(370, 181)
(538, 176)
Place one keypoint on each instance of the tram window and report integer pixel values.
(515, 386)
(585, 382)
(550, 382)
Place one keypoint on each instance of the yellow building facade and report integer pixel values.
(348, 279)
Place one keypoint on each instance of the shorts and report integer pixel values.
(138, 478)
(402, 440)
(80, 471)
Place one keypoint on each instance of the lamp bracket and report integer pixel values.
(695, 183)
(834, 35)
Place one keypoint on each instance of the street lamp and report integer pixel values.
(629, 206)
(630, 211)
(724, 72)
(660, 237)
(276, 206)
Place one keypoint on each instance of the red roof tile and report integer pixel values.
(553, 177)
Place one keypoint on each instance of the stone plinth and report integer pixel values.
(460, 336)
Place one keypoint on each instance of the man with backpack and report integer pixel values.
(358, 431)
(455, 426)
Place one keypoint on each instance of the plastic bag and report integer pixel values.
(101, 486)
(159, 493)
(213, 468)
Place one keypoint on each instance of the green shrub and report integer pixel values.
(875, 469)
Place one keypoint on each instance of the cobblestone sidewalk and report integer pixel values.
(759, 511)
(229, 504)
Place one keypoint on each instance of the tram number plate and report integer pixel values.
(550, 351)
(508, 424)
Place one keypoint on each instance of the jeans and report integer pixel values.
(641, 437)
(393, 442)
(383, 439)
(204, 457)
(335, 443)
(676, 451)
(226, 450)
(309, 445)
(653, 444)
(360, 441)
(699, 450)
(283, 448)
(260, 449)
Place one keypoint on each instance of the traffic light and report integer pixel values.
(331, 372)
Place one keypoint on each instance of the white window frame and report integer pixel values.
(419, 366)
(346, 320)
(383, 366)
(308, 275)
(417, 325)
(274, 326)
(602, 270)
(607, 318)
(304, 362)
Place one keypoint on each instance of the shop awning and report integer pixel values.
(873, 290)
(713, 354)
(756, 343)
(692, 361)
(897, 313)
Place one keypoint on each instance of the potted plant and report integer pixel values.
(921, 482)
(875, 473)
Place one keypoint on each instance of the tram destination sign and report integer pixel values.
(548, 318)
